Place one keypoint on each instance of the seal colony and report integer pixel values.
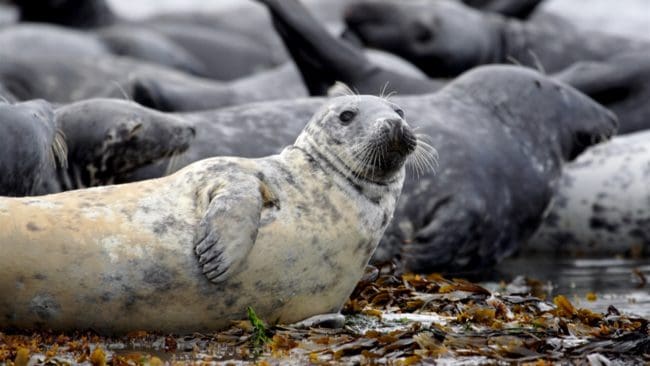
(190, 251)
(483, 124)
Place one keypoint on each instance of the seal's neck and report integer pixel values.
(341, 174)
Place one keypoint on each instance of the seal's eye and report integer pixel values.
(347, 116)
(400, 113)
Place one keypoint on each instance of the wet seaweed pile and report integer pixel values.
(389, 320)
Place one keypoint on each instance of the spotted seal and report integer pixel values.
(601, 208)
(445, 38)
(288, 234)
(502, 132)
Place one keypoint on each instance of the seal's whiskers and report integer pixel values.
(424, 158)
(59, 151)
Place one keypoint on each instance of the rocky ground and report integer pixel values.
(391, 319)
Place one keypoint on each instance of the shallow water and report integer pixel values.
(613, 281)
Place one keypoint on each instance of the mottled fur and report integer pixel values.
(289, 234)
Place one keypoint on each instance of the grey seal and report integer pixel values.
(108, 139)
(602, 204)
(503, 134)
(289, 234)
(87, 144)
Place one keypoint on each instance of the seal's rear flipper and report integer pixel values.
(219, 245)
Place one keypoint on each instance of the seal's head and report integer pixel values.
(362, 136)
(443, 38)
(566, 118)
(109, 138)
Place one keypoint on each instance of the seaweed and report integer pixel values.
(390, 319)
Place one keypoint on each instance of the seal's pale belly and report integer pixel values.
(117, 259)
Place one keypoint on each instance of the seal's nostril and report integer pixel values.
(393, 123)
(395, 129)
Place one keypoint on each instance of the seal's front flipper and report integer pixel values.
(333, 321)
(228, 230)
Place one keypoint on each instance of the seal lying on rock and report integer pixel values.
(32, 145)
(602, 204)
(289, 234)
(503, 134)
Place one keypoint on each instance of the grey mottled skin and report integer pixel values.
(108, 139)
(445, 38)
(31, 147)
(602, 207)
(502, 133)
(288, 234)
